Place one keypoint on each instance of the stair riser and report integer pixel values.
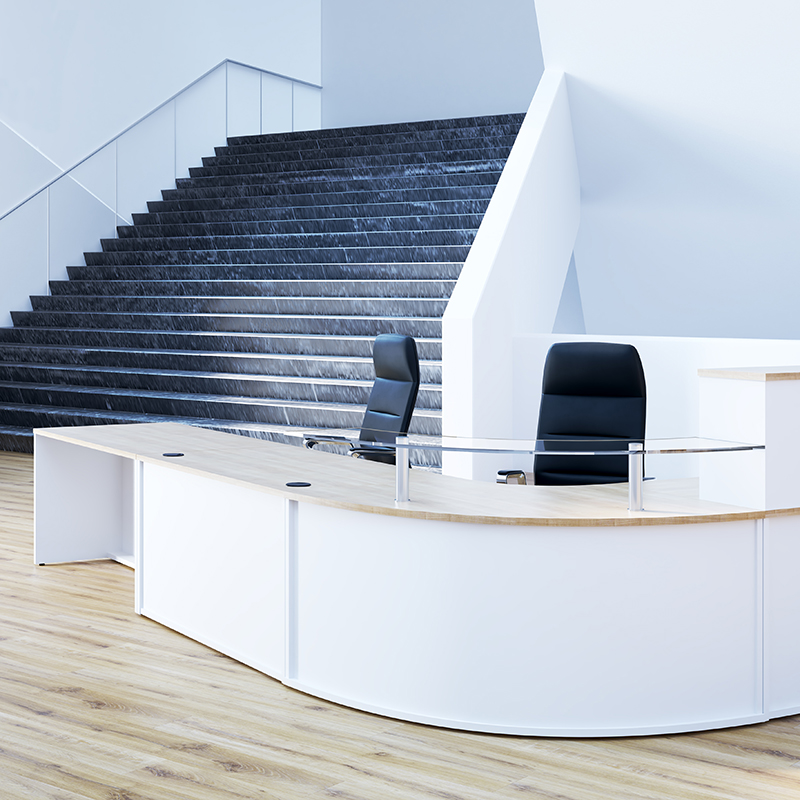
(327, 187)
(19, 441)
(60, 417)
(326, 289)
(262, 388)
(401, 307)
(231, 364)
(315, 241)
(367, 211)
(290, 271)
(193, 342)
(427, 129)
(403, 225)
(311, 415)
(294, 197)
(366, 326)
(320, 161)
(356, 147)
(293, 256)
(414, 172)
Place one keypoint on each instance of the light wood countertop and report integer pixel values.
(354, 484)
(753, 373)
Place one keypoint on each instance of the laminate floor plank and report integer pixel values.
(97, 703)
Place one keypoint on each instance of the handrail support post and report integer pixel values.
(635, 477)
(401, 470)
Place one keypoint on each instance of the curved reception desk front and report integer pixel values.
(506, 609)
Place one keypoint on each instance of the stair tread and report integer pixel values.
(248, 297)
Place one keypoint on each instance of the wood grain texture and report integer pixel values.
(752, 373)
(359, 485)
(98, 703)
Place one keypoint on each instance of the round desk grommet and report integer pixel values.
(172, 455)
(298, 484)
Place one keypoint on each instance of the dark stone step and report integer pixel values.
(358, 147)
(275, 288)
(315, 306)
(433, 129)
(399, 163)
(287, 365)
(192, 342)
(366, 211)
(233, 323)
(334, 174)
(289, 256)
(326, 188)
(283, 241)
(93, 404)
(296, 197)
(259, 228)
(445, 270)
(185, 384)
(16, 440)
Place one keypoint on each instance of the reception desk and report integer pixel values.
(510, 609)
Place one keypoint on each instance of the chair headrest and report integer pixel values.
(594, 369)
(395, 357)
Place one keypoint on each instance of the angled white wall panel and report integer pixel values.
(23, 267)
(199, 122)
(98, 175)
(688, 140)
(24, 169)
(276, 104)
(514, 275)
(77, 222)
(146, 162)
(244, 100)
(307, 105)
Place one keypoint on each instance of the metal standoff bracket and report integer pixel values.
(401, 470)
(635, 478)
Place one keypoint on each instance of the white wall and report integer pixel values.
(514, 276)
(687, 132)
(427, 59)
(77, 73)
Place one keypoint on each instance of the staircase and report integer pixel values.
(247, 298)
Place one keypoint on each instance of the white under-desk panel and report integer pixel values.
(213, 564)
(530, 629)
(78, 502)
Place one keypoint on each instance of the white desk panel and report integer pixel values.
(212, 564)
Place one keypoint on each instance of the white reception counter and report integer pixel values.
(508, 609)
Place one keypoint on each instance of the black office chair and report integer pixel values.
(590, 391)
(391, 401)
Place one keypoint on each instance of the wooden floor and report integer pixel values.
(96, 702)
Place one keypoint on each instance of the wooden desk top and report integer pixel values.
(752, 373)
(359, 485)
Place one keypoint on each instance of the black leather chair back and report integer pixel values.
(394, 393)
(590, 390)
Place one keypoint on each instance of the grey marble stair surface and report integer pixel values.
(250, 323)
(327, 306)
(317, 226)
(292, 196)
(420, 209)
(258, 244)
(377, 270)
(451, 149)
(292, 365)
(240, 343)
(240, 289)
(272, 387)
(247, 298)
